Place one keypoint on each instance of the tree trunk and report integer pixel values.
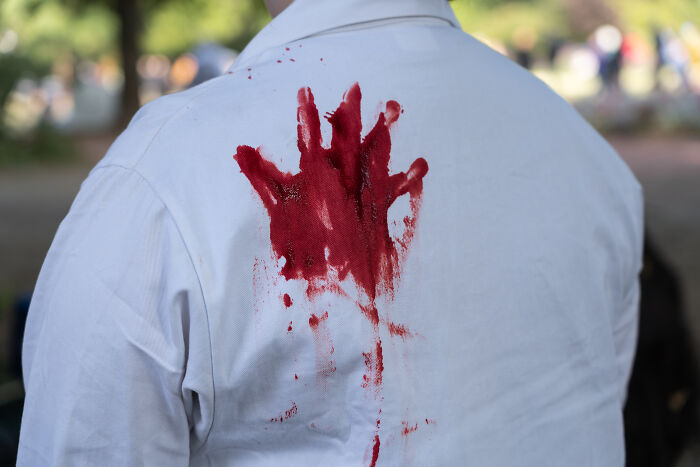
(129, 42)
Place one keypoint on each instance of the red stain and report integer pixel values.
(329, 220)
(321, 58)
(315, 321)
(399, 330)
(408, 429)
(429, 422)
(375, 451)
(333, 212)
(287, 49)
(289, 328)
(295, 376)
(374, 364)
(292, 60)
(287, 414)
(287, 300)
(279, 61)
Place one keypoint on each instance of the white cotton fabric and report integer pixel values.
(153, 340)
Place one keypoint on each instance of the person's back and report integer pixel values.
(373, 242)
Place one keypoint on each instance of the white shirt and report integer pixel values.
(235, 287)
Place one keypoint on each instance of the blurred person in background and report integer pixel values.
(373, 241)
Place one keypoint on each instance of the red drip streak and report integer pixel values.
(374, 362)
(324, 346)
(375, 451)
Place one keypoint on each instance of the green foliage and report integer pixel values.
(498, 19)
(13, 68)
(50, 28)
(177, 25)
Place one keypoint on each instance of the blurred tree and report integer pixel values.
(202, 18)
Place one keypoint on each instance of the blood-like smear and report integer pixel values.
(333, 212)
(329, 221)
(399, 330)
(287, 300)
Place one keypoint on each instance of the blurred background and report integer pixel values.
(73, 72)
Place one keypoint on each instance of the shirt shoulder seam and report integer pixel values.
(194, 269)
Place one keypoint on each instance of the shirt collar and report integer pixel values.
(304, 18)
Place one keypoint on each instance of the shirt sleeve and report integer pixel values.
(116, 353)
(626, 325)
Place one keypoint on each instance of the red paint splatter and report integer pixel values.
(329, 220)
(429, 422)
(287, 49)
(292, 60)
(289, 328)
(287, 414)
(321, 58)
(279, 61)
(333, 213)
(295, 376)
(399, 330)
(287, 300)
(408, 429)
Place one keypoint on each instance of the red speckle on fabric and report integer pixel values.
(408, 429)
(287, 414)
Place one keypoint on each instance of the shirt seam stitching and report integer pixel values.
(196, 273)
(156, 133)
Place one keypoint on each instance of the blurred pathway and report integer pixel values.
(669, 171)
